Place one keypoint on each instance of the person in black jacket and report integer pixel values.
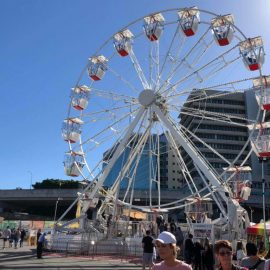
(252, 261)
(148, 250)
(198, 248)
(208, 257)
(23, 233)
(40, 243)
(38, 235)
(189, 250)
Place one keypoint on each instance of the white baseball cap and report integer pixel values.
(166, 238)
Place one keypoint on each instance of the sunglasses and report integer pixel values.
(227, 253)
(162, 245)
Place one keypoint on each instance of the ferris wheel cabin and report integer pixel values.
(122, 42)
(97, 67)
(80, 97)
(73, 163)
(189, 20)
(198, 210)
(252, 52)
(262, 91)
(71, 129)
(260, 141)
(153, 26)
(223, 30)
(239, 178)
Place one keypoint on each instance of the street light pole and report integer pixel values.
(31, 178)
(251, 214)
(263, 197)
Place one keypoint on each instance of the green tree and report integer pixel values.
(56, 183)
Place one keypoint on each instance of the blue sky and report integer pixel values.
(45, 45)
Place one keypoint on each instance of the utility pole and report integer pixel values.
(31, 178)
(266, 244)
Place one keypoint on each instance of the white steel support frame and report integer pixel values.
(219, 204)
(131, 158)
(177, 135)
(96, 185)
(207, 171)
(236, 214)
(116, 155)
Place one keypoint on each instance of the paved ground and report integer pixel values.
(25, 258)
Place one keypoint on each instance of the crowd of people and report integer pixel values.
(13, 238)
(186, 253)
(171, 250)
(166, 253)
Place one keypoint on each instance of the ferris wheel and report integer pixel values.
(147, 106)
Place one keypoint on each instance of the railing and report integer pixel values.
(114, 248)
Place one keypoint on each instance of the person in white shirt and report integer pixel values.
(167, 250)
(240, 253)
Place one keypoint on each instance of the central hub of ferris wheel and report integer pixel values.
(147, 97)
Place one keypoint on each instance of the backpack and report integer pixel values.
(256, 264)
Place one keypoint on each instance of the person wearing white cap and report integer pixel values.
(167, 250)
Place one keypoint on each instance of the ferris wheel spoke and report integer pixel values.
(112, 95)
(169, 123)
(154, 65)
(134, 152)
(198, 139)
(198, 76)
(204, 97)
(109, 154)
(201, 97)
(223, 90)
(134, 169)
(126, 82)
(169, 57)
(137, 140)
(229, 85)
(220, 117)
(216, 68)
(139, 70)
(154, 169)
(201, 43)
(117, 153)
(180, 161)
(105, 139)
(210, 68)
(108, 127)
(190, 64)
(109, 113)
